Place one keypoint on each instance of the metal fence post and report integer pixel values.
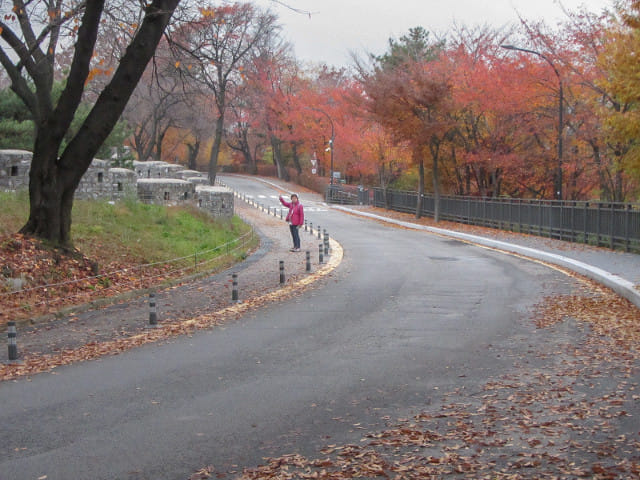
(584, 222)
(611, 227)
(598, 224)
(627, 219)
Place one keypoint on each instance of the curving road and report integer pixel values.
(407, 315)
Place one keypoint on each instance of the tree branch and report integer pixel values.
(79, 71)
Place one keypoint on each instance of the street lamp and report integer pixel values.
(558, 176)
(331, 141)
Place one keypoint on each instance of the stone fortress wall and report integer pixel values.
(151, 182)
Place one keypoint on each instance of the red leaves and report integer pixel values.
(51, 279)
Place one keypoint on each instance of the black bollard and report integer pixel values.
(234, 288)
(319, 232)
(305, 225)
(12, 335)
(308, 261)
(326, 243)
(311, 227)
(153, 313)
(320, 254)
(281, 272)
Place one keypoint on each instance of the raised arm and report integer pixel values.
(284, 202)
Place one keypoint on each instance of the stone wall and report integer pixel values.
(152, 182)
(14, 169)
(168, 191)
(217, 201)
(95, 182)
(123, 183)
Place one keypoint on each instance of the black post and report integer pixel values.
(234, 287)
(13, 341)
(320, 254)
(153, 314)
(305, 225)
(319, 232)
(311, 228)
(326, 243)
(281, 272)
(308, 253)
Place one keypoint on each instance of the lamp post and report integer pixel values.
(558, 175)
(331, 141)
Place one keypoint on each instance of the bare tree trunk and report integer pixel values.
(159, 142)
(602, 178)
(296, 157)
(49, 215)
(243, 147)
(420, 159)
(52, 180)
(215, 149)
(276, 147)
(193, 154)
(434, 148)
(436, 190)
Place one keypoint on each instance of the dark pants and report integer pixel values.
(295, 235)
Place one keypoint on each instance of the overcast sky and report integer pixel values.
(337, 27)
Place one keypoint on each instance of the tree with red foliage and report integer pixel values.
(409, 92)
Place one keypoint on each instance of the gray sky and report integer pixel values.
(339, 26)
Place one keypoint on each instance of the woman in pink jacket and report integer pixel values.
(295, 218)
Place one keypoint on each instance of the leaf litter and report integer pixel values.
(572, 415)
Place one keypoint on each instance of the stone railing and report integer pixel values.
(152, 182)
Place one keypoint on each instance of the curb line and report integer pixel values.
(621, 286)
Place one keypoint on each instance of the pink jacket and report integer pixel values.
(296, 212)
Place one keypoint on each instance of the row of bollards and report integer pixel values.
(321, 234)
(323, 250)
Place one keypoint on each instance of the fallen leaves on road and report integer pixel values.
(565, 415)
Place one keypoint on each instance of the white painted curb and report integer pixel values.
(621, 286)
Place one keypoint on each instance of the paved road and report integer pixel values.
(407, 315)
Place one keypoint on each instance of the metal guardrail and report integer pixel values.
(606, 224)
(343, 195)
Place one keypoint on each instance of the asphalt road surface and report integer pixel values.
(405, 316)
